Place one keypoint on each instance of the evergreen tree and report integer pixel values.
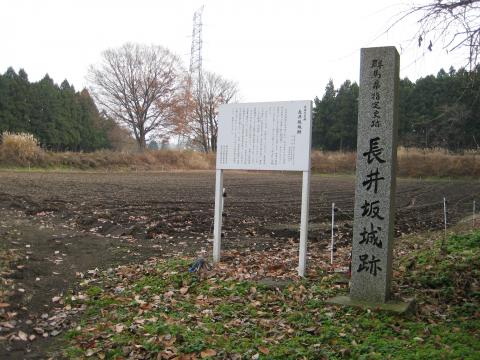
(335, 118)
(435, 111)
(323, 119)
(344, 129)
(60, 117)
(14, 101)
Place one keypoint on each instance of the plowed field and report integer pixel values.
(59, 225)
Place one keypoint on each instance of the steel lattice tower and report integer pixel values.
(196, 74)
(194, 83)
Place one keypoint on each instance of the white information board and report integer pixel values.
(265, 136)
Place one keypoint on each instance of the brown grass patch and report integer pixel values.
(23, 150)
(412, 162)
(333, 162)
(162, 160)
(437, 162)
(20, 149)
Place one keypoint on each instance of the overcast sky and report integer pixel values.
(275, 50)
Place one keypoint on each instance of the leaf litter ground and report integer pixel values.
(159, 310)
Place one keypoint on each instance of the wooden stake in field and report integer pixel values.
(333, 235)
(444, 240)
(445, 215)
(473, 217)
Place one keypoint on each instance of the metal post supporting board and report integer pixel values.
(302, 251)
(217, 227)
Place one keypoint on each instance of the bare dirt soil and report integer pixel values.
(59, 226)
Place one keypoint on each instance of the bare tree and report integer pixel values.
(454, 23)
(203, 121)
(138, 86)
(184, 107)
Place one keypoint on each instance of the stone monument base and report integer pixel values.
(395, 306)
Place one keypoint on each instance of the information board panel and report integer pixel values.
(265, 136)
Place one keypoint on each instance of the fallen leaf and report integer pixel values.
(8, 324)
(184, 290)
(263, 350)
(208, 353)
(119, 328)
(22, 336)
(90, 352)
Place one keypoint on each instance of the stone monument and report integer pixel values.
(374, 212)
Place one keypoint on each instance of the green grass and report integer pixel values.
(166, 308)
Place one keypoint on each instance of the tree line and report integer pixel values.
(434, 111)
(58, 116)
(143, 94)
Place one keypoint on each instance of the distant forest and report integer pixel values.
(59, 117)
(435, 111)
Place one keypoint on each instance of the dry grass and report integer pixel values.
(20, 149)
(412, 162)
(148, 160)
(438, 163)
(23, 150)
(333, 162)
